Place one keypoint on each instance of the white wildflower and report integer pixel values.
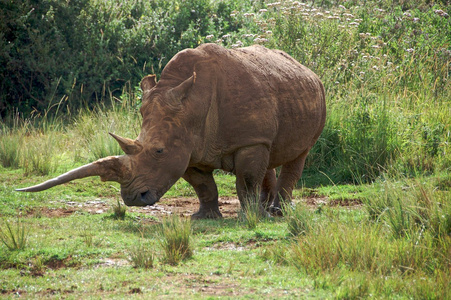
(237, 44)
(441, 13)
(273, 4)
(209, 37)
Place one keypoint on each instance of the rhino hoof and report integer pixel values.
(206, 214)
(276, 211)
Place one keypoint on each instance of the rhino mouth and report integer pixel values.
(149, 198)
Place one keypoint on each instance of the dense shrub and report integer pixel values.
(78, 53)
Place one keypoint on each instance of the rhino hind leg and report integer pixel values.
(250, 169)
(268, 189)
(288, 177)
(205, 187)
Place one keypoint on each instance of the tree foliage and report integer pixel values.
(79, 52)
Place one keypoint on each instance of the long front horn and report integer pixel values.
(109, 169)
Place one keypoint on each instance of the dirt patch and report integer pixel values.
(226, 246)
(13, 292)
(211, 286)
(110, 262)
(318, 201)
(229, 207)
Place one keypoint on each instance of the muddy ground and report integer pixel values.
(183, 206)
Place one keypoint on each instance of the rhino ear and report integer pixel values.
(148, 82)
(182, 89)
(129, 146)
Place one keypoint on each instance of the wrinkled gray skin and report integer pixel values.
(245, 111)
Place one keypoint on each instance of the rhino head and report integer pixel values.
(155, 160)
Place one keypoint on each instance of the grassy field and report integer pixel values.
(373, 209)
(385, 240)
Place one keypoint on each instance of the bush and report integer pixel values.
(79, 52)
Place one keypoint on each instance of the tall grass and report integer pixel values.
(299, 219)
(412, 208)
(252, 212)
(31, 144)
(142, 254)
(405, 238)
(175, 239)
(14, 236)
(10, 148)
(91, 127)
(39, 155)
(119, 210)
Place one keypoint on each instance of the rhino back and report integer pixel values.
(251, 96)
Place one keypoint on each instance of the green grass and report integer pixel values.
(13, 236)
(345, 252)
(252, 213)
(119, 210)
(175, 239)
(142, 255)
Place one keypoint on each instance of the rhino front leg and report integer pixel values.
(205, 187)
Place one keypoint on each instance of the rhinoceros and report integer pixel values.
(245, 111)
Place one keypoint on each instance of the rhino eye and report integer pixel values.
(159, 150)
